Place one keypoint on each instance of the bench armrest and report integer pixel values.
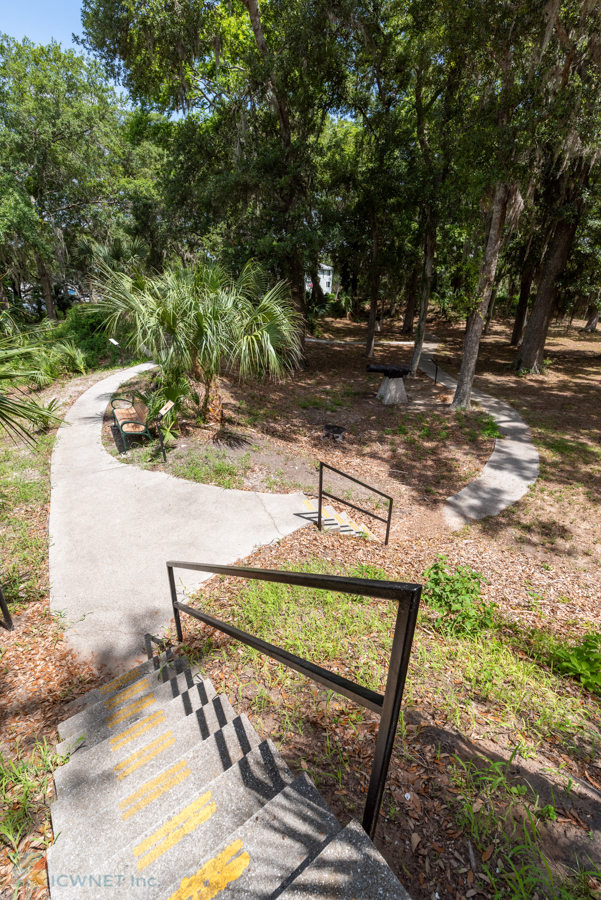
(125, 399)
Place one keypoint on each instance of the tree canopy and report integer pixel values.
(438, 153)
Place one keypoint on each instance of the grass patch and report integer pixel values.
(25, 782)
(478, 680)
(24, 495)
(506, 831)
(352, 635)
(214, 467)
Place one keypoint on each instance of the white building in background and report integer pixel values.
(326, 280)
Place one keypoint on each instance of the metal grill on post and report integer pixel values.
(387, 705)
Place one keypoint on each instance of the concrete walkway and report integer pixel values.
(114, 526)
(513, 465)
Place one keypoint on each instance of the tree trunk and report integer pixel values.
(491, 310)
(522, 307)
(530, 354)
(4, 304)
(488, 269)
(411, 300)
(393, 305)
(212, 404)
(317, 294)
(593, 318)
(46, 287)
(374, 293)
(297, 294)
(429, 247)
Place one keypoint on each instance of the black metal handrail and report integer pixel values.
(366, 512)
(8, 622)
(387, 705)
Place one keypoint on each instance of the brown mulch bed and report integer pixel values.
(423, 832)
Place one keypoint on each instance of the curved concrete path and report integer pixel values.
(512, 467)
(114, 526)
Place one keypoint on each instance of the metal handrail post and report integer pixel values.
(320, 499)
(387, 705)
(388, 523)
(8, 622)
(176, 615)
(366, 512)
(391, 708)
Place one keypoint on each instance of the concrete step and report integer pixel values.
(328, 519)
(264, 855)
(122, 681)
(125, 693)
(132, 733)
(96, 833)
(188, 834)
(147, 695)
(98, 785)
(356, 528)
(349, 868)
(332, 520)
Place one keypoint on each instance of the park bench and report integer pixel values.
(131, 419)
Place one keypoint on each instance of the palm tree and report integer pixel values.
(18, 416)
(193, 321)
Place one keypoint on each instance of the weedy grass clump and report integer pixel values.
(24, 785)
(456, 595)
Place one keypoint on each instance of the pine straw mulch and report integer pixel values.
(39, 676)
(423, 832)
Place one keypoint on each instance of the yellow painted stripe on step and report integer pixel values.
(127, 711)
(338, 519)
(127, 694)
(214, 875)
(119, 682)
(309, 505)
(174, 830)
(134, 731)
(143, 755)
(153, 789)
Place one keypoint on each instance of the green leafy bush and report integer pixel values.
(455, 594)
(582, 661)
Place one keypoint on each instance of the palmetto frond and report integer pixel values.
(16, 414)
(195, 320)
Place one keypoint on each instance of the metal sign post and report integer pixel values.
(117, 344)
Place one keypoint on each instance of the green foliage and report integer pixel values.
(59, 142)
(214, 467)
(47, 414)
(24, 783)
(193, 320)
(582, 661)
(455, 594)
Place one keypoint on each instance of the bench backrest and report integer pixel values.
(141, 409)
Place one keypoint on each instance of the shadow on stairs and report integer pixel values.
(169, 794)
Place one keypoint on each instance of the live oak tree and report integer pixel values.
(59, 122)
(251, 74)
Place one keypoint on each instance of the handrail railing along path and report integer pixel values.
(387, 705)
(366, 512)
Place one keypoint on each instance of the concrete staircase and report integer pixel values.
(169, 794)
(331, 520)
